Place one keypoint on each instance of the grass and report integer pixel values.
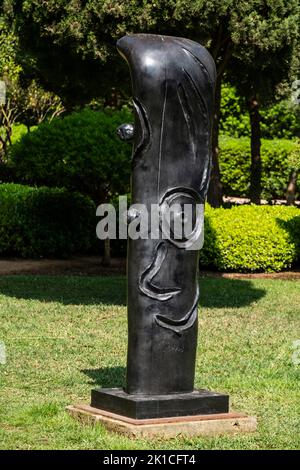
(64, 335)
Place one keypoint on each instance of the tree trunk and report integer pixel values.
(292, 188)
(106, 260)
(256, 165)
(214, 196)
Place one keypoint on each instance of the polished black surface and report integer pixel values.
(173, 87)
(199, 402)
(173, 83)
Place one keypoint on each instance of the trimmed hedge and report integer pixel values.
(40, 222)
(277, 160)
(251, 238)
(246, 238)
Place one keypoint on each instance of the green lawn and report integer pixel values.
(64, 335)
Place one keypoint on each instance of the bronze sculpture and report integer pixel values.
(173, 90)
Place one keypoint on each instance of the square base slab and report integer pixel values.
(190, 426)
(198, 402)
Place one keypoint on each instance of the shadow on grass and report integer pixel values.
(106, 376)
(67, 290)
(228, 293)
(74, 290)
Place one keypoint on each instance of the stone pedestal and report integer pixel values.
(189, 426)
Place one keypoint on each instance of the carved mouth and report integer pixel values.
(147, 287)
(178, 326)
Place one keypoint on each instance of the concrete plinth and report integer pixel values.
(191, 426)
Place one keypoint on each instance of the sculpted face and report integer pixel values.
(173, 91)
(173, 87)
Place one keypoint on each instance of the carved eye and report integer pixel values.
(179, 221)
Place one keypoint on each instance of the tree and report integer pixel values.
(294, 163)
(259, 76)
(26, 101)
(75, 39)
(9, 75)
(39, 105)
(280, 119)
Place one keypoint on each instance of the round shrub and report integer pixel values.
(80, 152)
(251, 238)
(40, 222)
(235, 162)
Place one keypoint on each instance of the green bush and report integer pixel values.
(251, 238)
(80, 152)
(235, 161)
(18, 131)
(40, 222)
(282, 121)
(279, 121)
(234, 119)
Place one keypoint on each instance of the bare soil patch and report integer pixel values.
(92, 266)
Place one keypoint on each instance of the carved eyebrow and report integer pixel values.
(194, 86)
(199, 62)
(145, 140)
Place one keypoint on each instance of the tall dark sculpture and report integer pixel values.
(173, 90)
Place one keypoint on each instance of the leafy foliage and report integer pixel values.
(81, 35)
(26, 101)
(278, 159)
(80, 152)
(234, 120)
(74, 32)
(39, 105)
(40, 222)
(251, 238)
(18, 131)
(8, 49)
(281, 120)
(9, 74)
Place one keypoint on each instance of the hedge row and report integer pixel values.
(246, 238)
(278, 159)
(40, 222)
(251, 238)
